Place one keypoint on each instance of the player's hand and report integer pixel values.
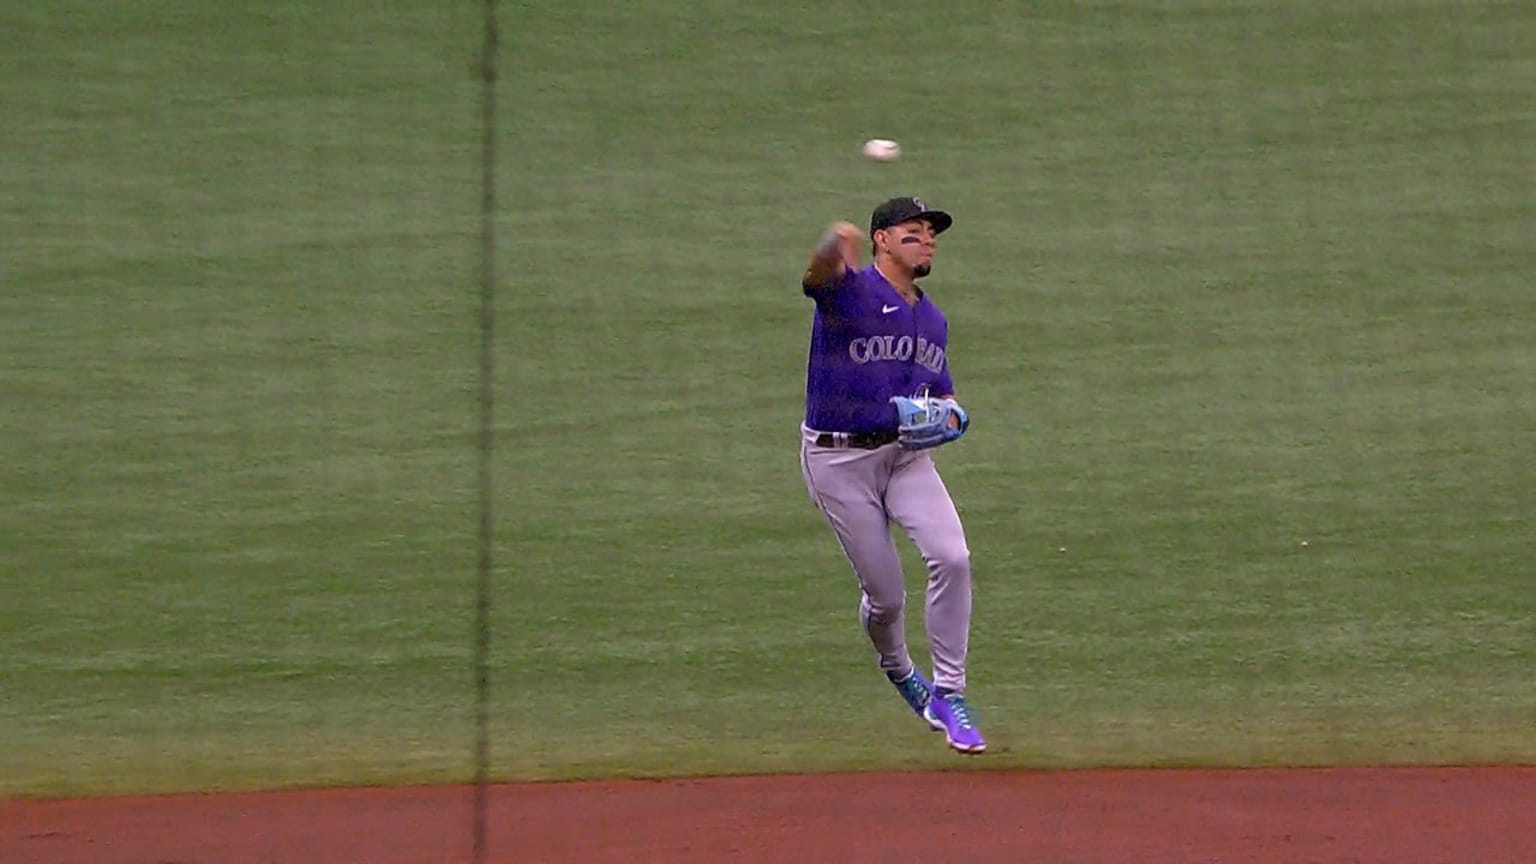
(836, 253)
(849, 241)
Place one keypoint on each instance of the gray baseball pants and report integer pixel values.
(861, 492)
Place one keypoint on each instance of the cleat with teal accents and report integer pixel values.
(917, 693)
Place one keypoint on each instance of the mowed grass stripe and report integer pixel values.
(1238, 300)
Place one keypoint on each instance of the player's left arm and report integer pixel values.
(945, 385)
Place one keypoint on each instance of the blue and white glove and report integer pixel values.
(924, 421)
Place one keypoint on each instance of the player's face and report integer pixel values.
(911, 244)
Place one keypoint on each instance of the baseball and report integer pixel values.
(881, 150)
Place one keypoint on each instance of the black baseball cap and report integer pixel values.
(899, 210)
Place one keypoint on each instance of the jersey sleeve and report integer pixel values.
(829, 297)
(944, 384)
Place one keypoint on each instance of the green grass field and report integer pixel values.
(1241, 307)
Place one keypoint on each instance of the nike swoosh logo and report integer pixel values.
(886, 310)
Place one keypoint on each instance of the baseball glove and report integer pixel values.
(924, 421)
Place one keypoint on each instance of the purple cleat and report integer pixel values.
(948, 711)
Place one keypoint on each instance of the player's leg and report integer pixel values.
(846, 484)
(919, 502)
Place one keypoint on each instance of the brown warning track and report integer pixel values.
(1398, 815)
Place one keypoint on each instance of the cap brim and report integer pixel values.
(938, 219)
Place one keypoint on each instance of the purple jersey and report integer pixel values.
(868, 345)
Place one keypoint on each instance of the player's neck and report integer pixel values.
(904, 281)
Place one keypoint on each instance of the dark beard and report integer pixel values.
(921, 270)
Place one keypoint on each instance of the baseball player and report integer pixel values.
(878, 398)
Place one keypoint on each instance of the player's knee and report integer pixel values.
(950, 561)
(883, 607)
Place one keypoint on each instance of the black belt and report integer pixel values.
(859, 440)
